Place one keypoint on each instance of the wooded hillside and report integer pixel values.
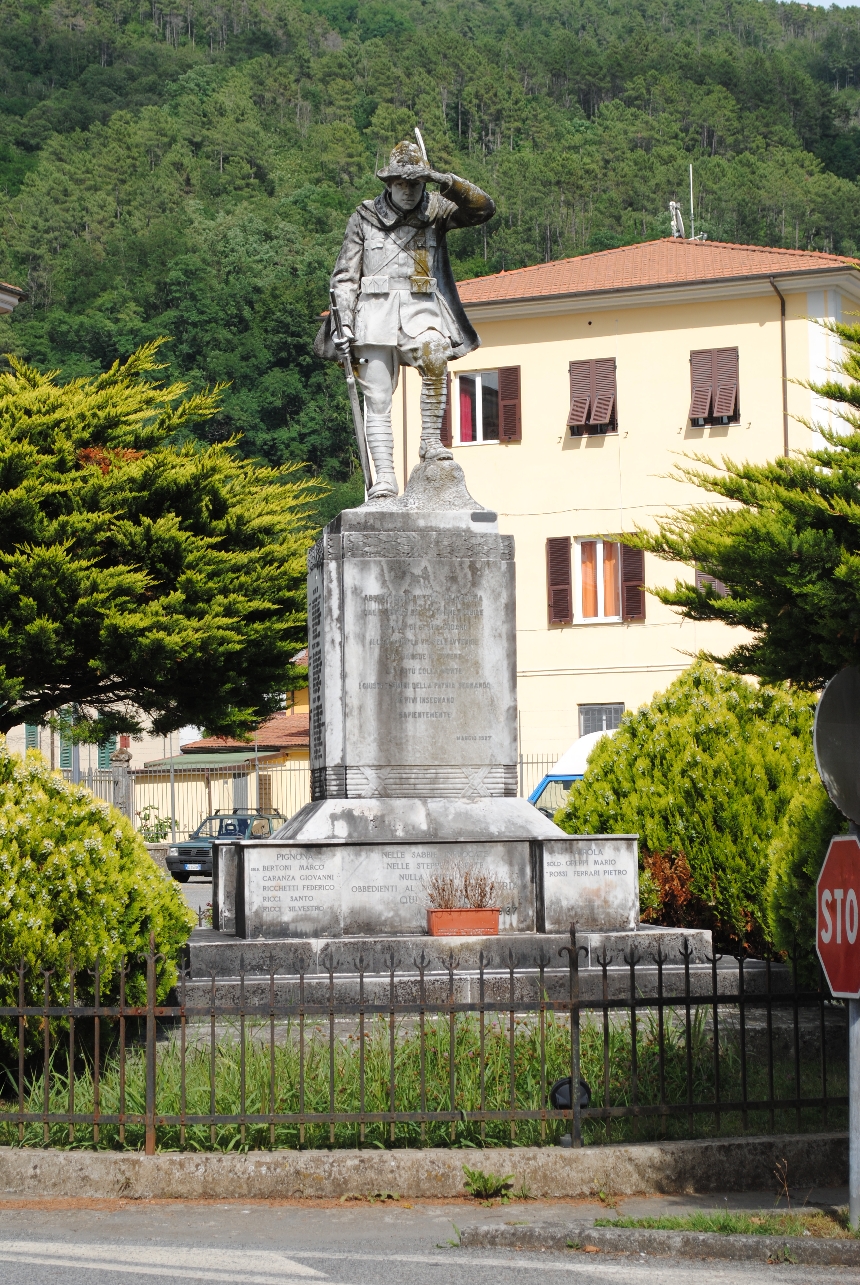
(188, 171)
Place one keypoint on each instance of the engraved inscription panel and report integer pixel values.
(592, 881)
(292, 892)
(429, 662)
(371, 889)
(384, 888)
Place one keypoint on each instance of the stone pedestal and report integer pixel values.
(412, 648)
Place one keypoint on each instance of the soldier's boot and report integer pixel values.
(434, 367)
(381, 446)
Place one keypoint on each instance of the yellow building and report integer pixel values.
(594, 375)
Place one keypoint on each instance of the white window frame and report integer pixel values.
(597, 705)
(600, 618)
(479, 409)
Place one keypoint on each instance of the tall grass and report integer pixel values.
(277, 1080)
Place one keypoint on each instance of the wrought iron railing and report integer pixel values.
(410, 1055)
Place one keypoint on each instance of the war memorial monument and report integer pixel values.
(412, 644)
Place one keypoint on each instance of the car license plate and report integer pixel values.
(195, 865)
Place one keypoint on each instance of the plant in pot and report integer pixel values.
(460, 902)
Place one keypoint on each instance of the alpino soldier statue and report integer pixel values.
(397, 299)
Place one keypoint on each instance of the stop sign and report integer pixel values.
(837, 916)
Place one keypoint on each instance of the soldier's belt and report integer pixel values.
(384, 285)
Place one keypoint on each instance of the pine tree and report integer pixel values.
(141, 573)
(787, 549)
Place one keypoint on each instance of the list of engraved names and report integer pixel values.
(431, 647)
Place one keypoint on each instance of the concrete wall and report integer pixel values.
(727, 1164)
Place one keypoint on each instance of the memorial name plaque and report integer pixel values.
(384, 888)
(593, 879)
(354, 890)
(289, 892)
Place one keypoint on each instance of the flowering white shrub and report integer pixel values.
(77, 886)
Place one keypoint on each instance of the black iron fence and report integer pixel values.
(410, 1056)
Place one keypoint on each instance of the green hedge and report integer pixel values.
(794, 857)
(77, 886)
(705, 775)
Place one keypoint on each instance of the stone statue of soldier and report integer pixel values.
(398, 301)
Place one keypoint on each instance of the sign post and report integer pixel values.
(836, 740)
(837, 941)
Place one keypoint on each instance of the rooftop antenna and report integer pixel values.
(677, 220)
(692, 215)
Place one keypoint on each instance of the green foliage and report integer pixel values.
(189, 174)
(136, 575)
(487, 1186)
(707, 770)
(795, 856)
(730, 1222)
(153, 828)
(787, 549)
(77, 887)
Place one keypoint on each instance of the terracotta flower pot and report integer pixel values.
(464, 923)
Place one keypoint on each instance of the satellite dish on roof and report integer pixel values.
(677, 219)
(836, 741)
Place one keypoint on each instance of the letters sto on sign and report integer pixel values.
(838, 916)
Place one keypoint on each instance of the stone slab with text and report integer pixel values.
(412, 653)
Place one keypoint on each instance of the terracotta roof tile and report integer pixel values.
(651, 263)
(280, 732)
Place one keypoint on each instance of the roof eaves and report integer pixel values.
(656, 285)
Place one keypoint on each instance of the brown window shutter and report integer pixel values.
(445, 431)
(701, 382)
(581, 390)
(703, 579)
(510, 414)
(632, 583)
(592, 392)
(603, 404)
(726, 382)
(558, 582)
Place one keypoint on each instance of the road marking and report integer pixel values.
(254, 1266)
(670, 1271)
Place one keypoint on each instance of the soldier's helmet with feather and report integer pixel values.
(405, 162)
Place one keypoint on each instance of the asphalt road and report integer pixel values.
(197, 892)
(122, 1243)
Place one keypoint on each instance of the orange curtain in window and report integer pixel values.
(611, 585)
(588, 555)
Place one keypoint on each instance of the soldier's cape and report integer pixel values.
(468, 208)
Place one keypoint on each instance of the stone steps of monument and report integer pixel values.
(253, 992)
(210, 951)
(248, 973)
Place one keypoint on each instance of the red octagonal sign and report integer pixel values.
(837, 916)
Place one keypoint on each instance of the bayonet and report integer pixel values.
(345, 358)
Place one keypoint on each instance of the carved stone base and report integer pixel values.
(412, 646)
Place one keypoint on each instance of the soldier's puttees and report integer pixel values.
(398, 301)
